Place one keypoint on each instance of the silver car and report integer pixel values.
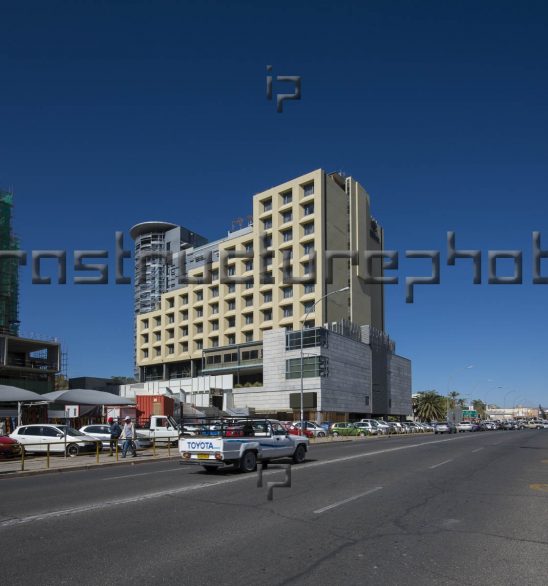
(102, 432)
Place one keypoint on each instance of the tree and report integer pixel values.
(429, 406)
(480, 407)
(453, 399)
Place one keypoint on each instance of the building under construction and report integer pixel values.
(24, 362)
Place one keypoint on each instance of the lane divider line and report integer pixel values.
(348, 500)
(440, 464)
(476, 450)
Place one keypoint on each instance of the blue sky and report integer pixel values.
(116, 112)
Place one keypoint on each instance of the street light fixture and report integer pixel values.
(302, 347)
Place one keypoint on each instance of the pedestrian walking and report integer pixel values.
(115, 432)
(128, 435)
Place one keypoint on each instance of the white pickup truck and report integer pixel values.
(243, 444)
(161, 428)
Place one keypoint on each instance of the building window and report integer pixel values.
(267, 241)
(184, 314)
(184, 299)
(157, 322)
(158, 337)
(214, 308)
(306, 268)
(288, 311)
(214, 274)
(231, 271)
(199, 295)
(267, 205)
(214, 342)
(367, 400)
(248, 355)
(144, 339)
(287, 217)
(231, 322)
(214, 291)
(231, 288)
(231, 339)
(312, 366)
(184, 331)
(267, 315)
(267, 224)
(170, 303)
(158, 352)
(199, 312)
(249, 301)
(311, 337)
(308, 209)
(287, 197)
(248, 336)
(308, 248)
(249, 319)
(287, 292)
(199, 345)
(170, 349)
(309, 288)
(249, 285)
(308, 229)
(249, 248)
(184, 346)
(214, 326)
(144, 324)
(287, 235)
(145, 353)
(199, 329)
(308, 189)
(308, 306)
(267, 297)
(230, 305)
(248, 265)
(170, 334)
(170, 318)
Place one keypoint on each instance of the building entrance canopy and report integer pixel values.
(9, 394)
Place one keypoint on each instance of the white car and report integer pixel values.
(37, 437)
(102, 431)
(367, 426)
(464, 426)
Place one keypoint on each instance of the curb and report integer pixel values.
(137, 461)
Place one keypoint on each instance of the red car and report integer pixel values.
(9, 448)
(296, 431)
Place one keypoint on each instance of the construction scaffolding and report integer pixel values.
(9, 269)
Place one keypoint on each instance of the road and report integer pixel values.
(460, 509)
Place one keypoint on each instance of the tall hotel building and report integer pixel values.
(220, 322)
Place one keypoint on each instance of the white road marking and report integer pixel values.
(440, 464)
(204, 485)
(142, 474)
(477, 450)
(348, 500)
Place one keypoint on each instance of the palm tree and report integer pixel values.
(429, 406)
(453, 399)
(480, 407)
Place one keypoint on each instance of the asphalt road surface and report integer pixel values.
(459, 509)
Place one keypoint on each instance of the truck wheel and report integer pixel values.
(248, 462)
(210, 469)
(299, 455)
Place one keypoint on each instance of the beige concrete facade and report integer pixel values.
(302, 219)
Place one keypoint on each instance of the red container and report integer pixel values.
(148, 405)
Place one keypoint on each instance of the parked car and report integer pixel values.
(37, 437)
(369, 427)
(346, 429)
(445, 427)
(381, 427)
(315, 429)
(9, 448)
(102, 432)
(535, 424)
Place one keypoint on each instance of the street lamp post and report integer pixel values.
(302, 347)
(448, 389)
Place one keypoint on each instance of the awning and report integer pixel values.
(10, 394)
(86, 397)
